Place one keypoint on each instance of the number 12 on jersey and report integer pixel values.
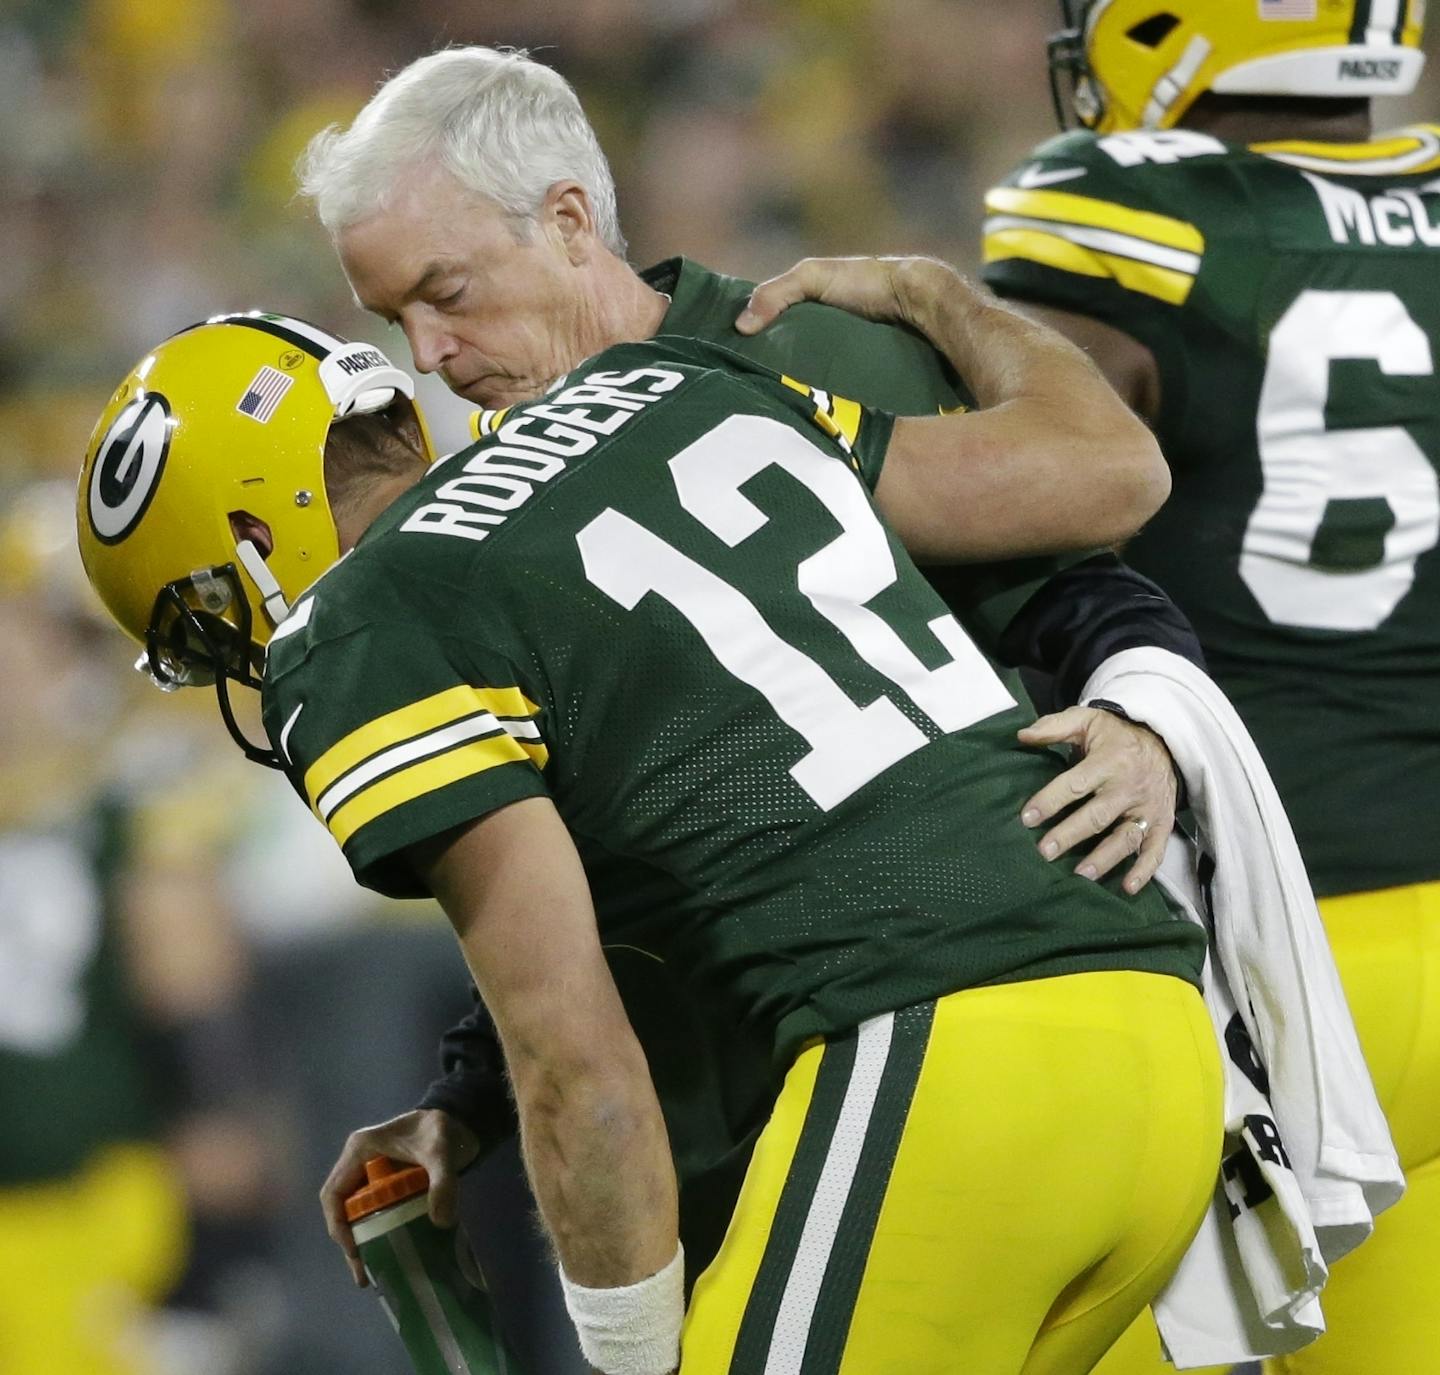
(849, 744)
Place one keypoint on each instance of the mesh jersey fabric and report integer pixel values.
(1290, 296)
(789, 774)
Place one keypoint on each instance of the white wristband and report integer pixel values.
(633, 1329)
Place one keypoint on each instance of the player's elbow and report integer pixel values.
(1136, 485)
(1148, 482)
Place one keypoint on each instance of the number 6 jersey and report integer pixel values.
(661, 596)
(1290, 294)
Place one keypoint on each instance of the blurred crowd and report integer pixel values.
(196, 1004)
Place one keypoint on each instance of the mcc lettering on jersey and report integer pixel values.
(535, 446)
(1395, 218)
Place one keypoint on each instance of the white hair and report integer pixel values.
(503, 126)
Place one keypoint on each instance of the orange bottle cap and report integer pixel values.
(386, 1182)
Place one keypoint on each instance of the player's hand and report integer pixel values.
(428, 1137)
(888, 289)
(1123, 776)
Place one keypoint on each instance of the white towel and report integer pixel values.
(1314, 1133)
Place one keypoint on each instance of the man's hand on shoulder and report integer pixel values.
(1122, 787)
(887, 289)
(441, 1144)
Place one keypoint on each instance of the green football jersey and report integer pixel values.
(881, 365)
(1290, 294)
(72, 1071)
(661, 596)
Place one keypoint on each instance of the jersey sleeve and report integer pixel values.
(862, 432)
(1080, 227)
(392, 734)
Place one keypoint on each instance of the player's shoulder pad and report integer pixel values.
(1089, 207)
(836, 416)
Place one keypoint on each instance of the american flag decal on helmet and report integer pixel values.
(264, 394)
(1287, 9)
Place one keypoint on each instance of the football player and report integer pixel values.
(1258, 273)
(645, 666)
(94, 1230)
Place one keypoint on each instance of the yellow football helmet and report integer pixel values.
(1140, 64)
(221, 426)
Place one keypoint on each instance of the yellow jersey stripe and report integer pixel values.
(406, 722)
(839, 418)
(487, 422)
(1050, 250)
(1408, 150)
(427, 776)
(1068, 208)
(846, 415)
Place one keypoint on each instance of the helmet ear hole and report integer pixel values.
(1152, 32)
(244, 526)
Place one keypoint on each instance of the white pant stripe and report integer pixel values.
(822, 1222)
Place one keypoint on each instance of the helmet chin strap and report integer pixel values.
(272, 598)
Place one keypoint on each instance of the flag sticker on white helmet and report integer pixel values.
(264, 394)
(1287, 9)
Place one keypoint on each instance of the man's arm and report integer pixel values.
(591, 1130)
(1128, 365)
(1054, 461)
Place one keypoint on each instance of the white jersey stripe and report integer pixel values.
(434, 742)
(822, 1223)
(1103, 240)
(1426, 150)
(520, 727)
(296, 621)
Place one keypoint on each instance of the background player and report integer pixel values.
(1258, 275)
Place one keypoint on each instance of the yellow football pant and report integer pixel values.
(80, 1257)
(1382, 1302)
(994, 1183)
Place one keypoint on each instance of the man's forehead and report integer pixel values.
(428, 222)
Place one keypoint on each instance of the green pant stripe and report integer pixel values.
(752, 1345)
(841, 1286)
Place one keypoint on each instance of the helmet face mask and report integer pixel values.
(1073, 90)
(190, 645)
(219, 430)
(1120, 65)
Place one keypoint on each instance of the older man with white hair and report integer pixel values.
(470, 203)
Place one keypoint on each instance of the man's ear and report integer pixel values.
(245, 526)
(567, 210)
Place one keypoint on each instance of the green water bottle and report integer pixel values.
(427, 1278)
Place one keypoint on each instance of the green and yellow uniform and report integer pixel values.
(1291, 298)
(661, 597)
(1290, 295)
(91, 1220)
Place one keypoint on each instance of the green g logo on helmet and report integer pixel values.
(128, 465)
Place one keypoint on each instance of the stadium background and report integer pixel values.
(146, 149)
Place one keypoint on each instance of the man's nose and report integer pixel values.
(430, 344)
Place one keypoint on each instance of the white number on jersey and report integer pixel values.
(849, 744)
(49, 932)
(1136, 147)
(1306, 466)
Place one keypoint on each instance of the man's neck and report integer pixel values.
(630, 309)
(1249, 119)
(351, 524)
